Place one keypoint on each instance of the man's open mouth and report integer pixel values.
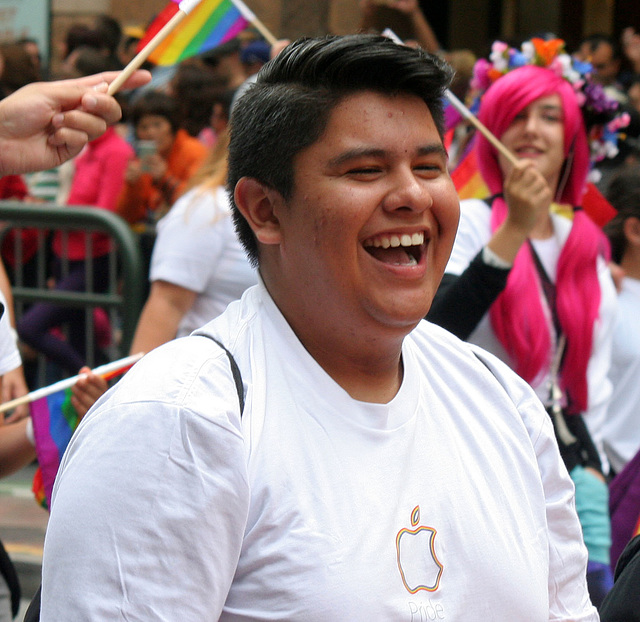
(397, 250)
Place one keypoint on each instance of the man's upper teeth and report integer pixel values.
(394, 241)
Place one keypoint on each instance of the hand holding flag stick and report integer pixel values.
(105, 371)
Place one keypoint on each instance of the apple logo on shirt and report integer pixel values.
(419, 567)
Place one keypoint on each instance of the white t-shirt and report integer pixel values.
(450, 502)
(622, 427)
(474, 232)
(9, 354)
(197, 248)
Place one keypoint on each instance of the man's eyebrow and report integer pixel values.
(434, 148)
(353, 154)
(363, 152)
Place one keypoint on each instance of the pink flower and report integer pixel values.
(499, 47)
(557, 67)
(480, 80)
(619, 122)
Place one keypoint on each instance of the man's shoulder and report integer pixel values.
(441, 349)
(178, 364)
(470, 361)
(427, 334)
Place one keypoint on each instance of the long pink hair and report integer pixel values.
(517, 316)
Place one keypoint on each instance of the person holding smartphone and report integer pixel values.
(166, 158)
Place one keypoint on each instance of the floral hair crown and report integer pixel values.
(602, 118)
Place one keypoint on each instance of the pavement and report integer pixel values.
(22, 528)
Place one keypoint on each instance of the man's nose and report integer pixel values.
(408, 191)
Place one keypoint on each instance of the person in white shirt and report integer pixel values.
(528, 278)
(366, 465)
(198, 265)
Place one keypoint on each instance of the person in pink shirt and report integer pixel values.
(97, 182)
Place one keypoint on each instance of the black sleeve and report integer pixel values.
(461, 301)
(622, 603)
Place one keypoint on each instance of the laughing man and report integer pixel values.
(378, 469)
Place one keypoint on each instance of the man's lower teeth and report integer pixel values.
(411, 262)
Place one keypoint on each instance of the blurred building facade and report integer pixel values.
(458, 23)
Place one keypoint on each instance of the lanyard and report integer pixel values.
(554, 405)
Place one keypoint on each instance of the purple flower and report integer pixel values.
(597, 99)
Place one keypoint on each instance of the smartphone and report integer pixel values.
(144, 149)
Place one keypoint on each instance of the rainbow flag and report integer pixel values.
(209, 24)
(467, 179)
(54, 421)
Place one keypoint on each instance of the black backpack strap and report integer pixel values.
(235, 370)
(33, 612)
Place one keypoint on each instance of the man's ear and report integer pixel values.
(258, 203)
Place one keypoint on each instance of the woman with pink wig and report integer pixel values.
(528, 279)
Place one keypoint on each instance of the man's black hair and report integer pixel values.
(289, 106)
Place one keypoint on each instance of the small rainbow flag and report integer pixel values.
(209, 24)
(54, 422)
(467, 179)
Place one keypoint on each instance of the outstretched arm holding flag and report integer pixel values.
(54, 417)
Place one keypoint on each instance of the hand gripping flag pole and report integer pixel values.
(106, 371)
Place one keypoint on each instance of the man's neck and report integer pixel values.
(366, 363)
(365, 377)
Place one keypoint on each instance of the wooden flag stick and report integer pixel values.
(184, 8)
(263, 30)
(467, 114)
(250, 16)
(464, 111)
(103, 370)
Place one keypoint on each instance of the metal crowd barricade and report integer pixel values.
(123, 299)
